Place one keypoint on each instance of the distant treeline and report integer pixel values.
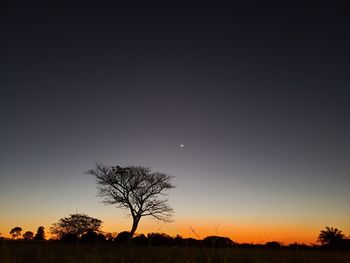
(83, 229)
(162, 239)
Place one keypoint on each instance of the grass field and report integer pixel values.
(25, 252)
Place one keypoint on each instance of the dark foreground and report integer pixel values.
(18, 252)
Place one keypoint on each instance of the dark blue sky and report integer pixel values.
(258, 93)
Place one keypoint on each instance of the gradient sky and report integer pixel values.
(258, 93)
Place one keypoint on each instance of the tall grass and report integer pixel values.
(46, 252)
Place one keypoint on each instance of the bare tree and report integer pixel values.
(136, 189)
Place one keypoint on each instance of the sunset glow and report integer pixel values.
(244, 105)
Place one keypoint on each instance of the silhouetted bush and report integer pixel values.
(159, 239)
(89, 238)
(179, 241)
(28, 235)
(300, 246)
(344, 244)
(273, 245)
(217, 241)
(69, 238)
(100, 238)
(191, 242)
(140, 240)
(40, 234)
(246, 245)
(109, 237)
(122, 237)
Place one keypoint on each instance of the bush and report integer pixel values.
(69, 238)
(159, 239)
(217, 241)
(140, 240)
(122, 237)
(273, 245)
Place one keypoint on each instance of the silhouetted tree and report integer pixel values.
(75, 224)
(330, 236)
(15, 232)
(40, 234)
(136, 189)
(28, 235)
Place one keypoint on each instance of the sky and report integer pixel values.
(256, 91)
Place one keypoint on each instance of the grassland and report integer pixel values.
(46, 252)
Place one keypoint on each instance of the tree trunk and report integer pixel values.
(135, 223)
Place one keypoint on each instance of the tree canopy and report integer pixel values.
(330, 236)
(28, 235)
(40, 234)
(75, 224)
(15, 232)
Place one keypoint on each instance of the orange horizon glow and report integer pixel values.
(241, 233)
